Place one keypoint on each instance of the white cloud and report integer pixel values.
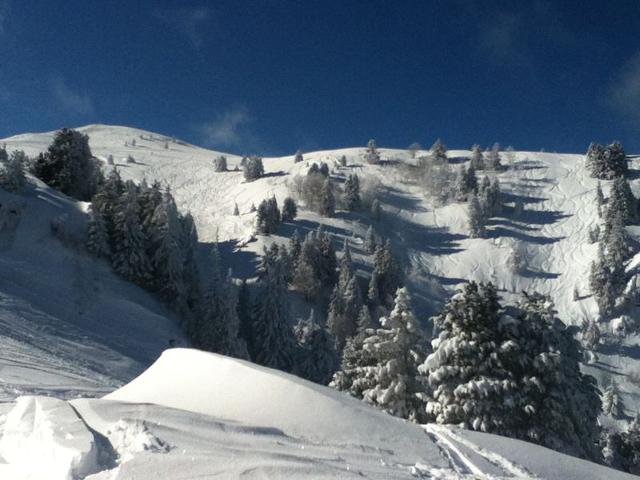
(230, 129)
(71, 101)
(187, 21)
(624, 91)
(500, 37)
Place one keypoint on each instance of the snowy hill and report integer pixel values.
(199, 415)
(69, 327)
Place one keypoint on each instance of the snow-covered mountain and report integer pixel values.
(70, 327)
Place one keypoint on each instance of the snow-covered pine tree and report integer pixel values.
(110, 160)
(168, 255)
(220, 164)
(318, 359)
(399, 347)
(268, 217)
(351, 198)
(476, 159)
(106, 200)
(469, 385)
(493, 160)
(413, 149)
(386, 277)
(466, 183)
(558, 406)
(343, 161)
(69, 166)
(273, 342)
(601, 283)
(606, 162)
(346, 302)
(98, 236)
(376, 210)
(12, 177)
(327, 200)
(236, 210)
(600, 201)
(295, 247)
(191, 273)
(324, 169)
(617, 251)
(243, 311)
(370, 241)
(4, 156)
(129, 255)
(438, 152)
(612, 404)
(476, 217)
(289, 210)
(298, 157)
(253, 168)
(372, 155)
(130, 159)
(591, 335)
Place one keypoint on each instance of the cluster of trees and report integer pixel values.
(139, 230)
(69, 166)
(316, 190)
(12, 177)
(515, 375)
(607, 276)
(621, 450)
(269, 217)
(606, 161)
(252, 168)
(220, 164)
(484, 203)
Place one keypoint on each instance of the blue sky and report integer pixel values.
(269, 76)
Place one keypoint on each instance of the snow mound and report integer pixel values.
(45, 437)
(247, 393)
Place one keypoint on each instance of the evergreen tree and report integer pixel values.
(236, 210)
(591, 335)
(391, 379)
(289, 210)
(327, 200)
(493, 160)
(168, 254)
(599, 199)
(298, 157)
(324, 169)
(476, 218)
(268, 217)
(346, 302)
(243, 311)
(612, 404)
(438, 151)
(220, 164)
(273, 342)
(476, 160)
(295, 247)
(376, 210)
(386, 277)
(12, 177)
(370, 241)
(98, 236)
(318, 356)
(253, 168)
(372, 156)
(519, 377)
(129, 255)
(466, 183)
(352, 200)
(606, 162)
(601, 283)
(343, 161)
(69, 166)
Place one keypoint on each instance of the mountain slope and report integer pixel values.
(68, 325)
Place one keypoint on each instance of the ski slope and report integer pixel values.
(200, 415)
